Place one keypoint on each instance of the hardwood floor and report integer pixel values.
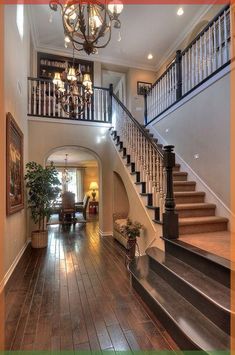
(76, 295)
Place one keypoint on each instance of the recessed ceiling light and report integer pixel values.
(180, 11)
(150, 56)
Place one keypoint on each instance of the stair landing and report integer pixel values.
(218, 243)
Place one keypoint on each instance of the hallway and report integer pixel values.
(76, 295)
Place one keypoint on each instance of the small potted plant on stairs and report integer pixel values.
(131, 230)
(43, 189)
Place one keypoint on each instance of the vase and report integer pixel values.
(39, 239)
(131, 245)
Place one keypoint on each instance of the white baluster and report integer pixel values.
(39, 98)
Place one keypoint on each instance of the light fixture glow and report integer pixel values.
(180, 11)
(150, 56)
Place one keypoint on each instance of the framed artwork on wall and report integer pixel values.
(143, 87)
(14, 168)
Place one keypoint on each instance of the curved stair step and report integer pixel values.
(206, 294)
(180, 186)
(189, 197)
(186, 324)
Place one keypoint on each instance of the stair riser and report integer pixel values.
(183, 188)
(196, 213)
(180, 177)
(189, 199)
(176, 168)
(202, 228)
(215, 313)
(172, 328)
(205, 265)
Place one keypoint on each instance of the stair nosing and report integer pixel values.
(191, 284)
(171, 316)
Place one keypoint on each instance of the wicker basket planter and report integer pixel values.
(39, 239)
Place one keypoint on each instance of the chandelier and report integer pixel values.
(88, 24)
(74, 90)
(66, 178)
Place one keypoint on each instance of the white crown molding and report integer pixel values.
(175, 46)
(94, 58)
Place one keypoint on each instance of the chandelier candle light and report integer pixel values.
(74, 90)
(66, 178)
(88, 24)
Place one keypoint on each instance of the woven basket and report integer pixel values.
(39, 239)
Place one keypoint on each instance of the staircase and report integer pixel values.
(185, 286)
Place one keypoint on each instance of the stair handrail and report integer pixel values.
(152, 165)
(141, 128)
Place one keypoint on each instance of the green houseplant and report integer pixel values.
(43, 189)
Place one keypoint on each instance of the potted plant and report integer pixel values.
(43, 189)
(131, 230)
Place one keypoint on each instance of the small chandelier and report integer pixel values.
(88, 24)
(66, 178)
(74, 90)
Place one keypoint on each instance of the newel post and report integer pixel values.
(170, 217)
(178, 62)
(110, 102)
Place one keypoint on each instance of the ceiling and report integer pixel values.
(145, 28)
(76, 157)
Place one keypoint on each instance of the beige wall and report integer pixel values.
(16, 54)
(120, 197)
(135, 103)
(202, 126)
(46, 136)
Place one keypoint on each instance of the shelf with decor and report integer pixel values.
(49, 64)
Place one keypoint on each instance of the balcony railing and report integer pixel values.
(208, 53)
(43, 101)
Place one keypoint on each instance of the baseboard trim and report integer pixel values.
(105, 234)
(13, 266)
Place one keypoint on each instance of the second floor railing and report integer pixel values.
(208, 53)
(43, 101)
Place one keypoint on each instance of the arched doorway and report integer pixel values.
(83, 178)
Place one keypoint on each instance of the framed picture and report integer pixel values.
(14, 168)
(143, 87)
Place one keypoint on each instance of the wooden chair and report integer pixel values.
(68, 206)
(82, 206)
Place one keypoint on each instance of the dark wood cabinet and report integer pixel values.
(48, 64)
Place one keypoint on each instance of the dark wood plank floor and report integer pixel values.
(76, 295)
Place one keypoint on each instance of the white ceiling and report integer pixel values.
(145, 28)
(76, 157)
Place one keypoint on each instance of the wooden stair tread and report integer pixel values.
(201, 220)
(189, 193)
(211, 289)
(183, 173)
(182, 183)
(192, 206)
(195, 326)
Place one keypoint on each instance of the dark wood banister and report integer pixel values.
(158, 149)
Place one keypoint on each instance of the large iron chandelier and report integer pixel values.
(74, 90)
(88, 24)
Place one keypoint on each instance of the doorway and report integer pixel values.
(118, 80)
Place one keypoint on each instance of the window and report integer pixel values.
(20, 20)
(75, 185)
